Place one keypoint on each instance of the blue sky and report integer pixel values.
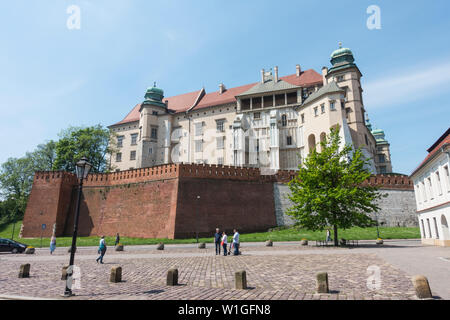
(53, 77)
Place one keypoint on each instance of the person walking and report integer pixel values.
(236, 242)
(52, 244)
(101, 250)
(224, 243)
(217, 239)
(117, 239)
(328, 235)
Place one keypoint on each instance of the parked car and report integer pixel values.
(8, 245)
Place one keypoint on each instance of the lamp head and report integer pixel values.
(83, 167)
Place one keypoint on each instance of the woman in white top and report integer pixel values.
(224, 243)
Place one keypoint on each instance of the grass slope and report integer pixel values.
(290, 234)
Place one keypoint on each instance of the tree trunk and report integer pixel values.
(336, 242)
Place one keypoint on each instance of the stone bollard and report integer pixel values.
(24, 271)
(269, 243)
(202, 245)
(160, 246)
(240, 279)
(322, 282)
(29, 250)
(172, 277)
(422, 287)
(116, 274)
(119, 247)
(64, 273)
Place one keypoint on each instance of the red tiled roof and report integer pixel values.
(306, 78)
(177, 103)
(183, 102)
(433, 150)
(215, 98)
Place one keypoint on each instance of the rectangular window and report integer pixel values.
(118, 157)
(268, 101)
(134, 137)
(430, 188)
(332, 106)
(155, 113)
(256, 103)
(220, 160)
(150, 150)
(381, 158)
(154, 133)
(198, 145)
(303, 118)
(257, 115)
(120, 141)
(447, 178)
(289, 141)
(424, 193)
(436, 228)
(219, 125)
(438, 183)
(322, 108)
(198, 129)
(279, 100)
(284, 120)
(424, 234)
(316, 111)
(220, 142)
(133, 155)
(382, 170)
(429, 229)
(291, 97)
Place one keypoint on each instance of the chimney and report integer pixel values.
(262, 75)
(275, 70)
(166, 102)
(324, 75)
(222, 88)
(298, 70)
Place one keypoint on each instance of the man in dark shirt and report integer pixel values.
(217, 239)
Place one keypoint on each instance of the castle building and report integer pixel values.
(432, 192)
(271, 124)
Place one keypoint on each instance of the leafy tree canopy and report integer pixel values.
(329, 191)
(77, 142)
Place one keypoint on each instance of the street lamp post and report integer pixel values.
(198, 216)
(82, 170)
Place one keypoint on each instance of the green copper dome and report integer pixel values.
(341, 51)
(341, 58)
(154, 96)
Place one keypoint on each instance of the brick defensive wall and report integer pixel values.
(161, 201)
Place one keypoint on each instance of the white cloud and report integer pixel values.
(414, 84)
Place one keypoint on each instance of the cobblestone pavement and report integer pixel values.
(280, 272)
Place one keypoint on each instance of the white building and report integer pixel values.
(270, 124)
(432, 190)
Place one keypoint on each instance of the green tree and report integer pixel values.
(16, 179)
(44, 156)
(94, 143)
(329, 189)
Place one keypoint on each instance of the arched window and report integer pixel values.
(311, 142)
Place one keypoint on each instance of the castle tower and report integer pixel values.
(383, 155)
(149, 132)
(347, 75)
